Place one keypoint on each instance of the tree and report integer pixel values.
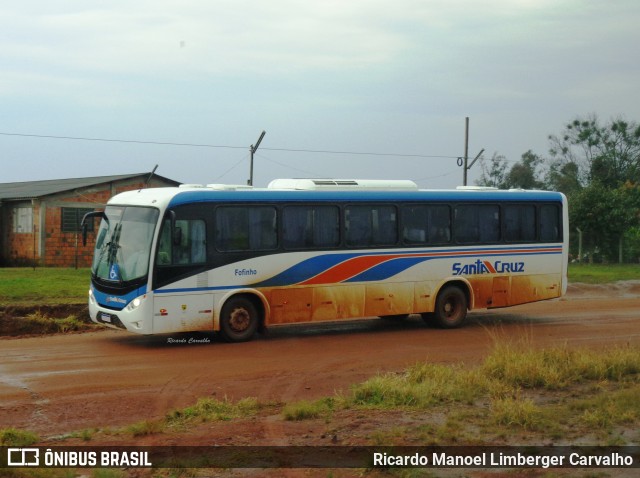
(605, 216)
(495, 173)
(524, 174)
(598, 167)
(563, 177)
(607, 154)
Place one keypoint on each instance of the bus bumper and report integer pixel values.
(130, 318)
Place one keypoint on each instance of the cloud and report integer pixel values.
(222, 37)
(331, 74)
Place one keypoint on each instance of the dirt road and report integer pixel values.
(57, 384)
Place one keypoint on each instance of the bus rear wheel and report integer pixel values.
(451, 308)
(238, 320)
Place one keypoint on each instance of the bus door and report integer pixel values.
(183, 301)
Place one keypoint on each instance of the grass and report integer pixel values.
(556, 393)
(421, 386)
(305, 409)
(38, 323)
(518, 365)
(28, 286)
(508, 367)
(211, 409)
(603, 273)
(515, 412)
(205, 410)
(606, 410)
(14, 437)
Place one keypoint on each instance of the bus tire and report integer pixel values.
(238, 319)
(451, 308)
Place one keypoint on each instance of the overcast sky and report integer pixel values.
(396, 78)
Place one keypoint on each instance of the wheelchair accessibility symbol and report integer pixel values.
(114, 272)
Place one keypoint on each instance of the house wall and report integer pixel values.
(19, 248)
(47, 245)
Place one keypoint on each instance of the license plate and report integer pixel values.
(105, 317)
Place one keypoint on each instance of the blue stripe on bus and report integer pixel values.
(226, 197)
(397, 265)
(306, 269)
(314, 266)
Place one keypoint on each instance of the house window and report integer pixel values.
(23, 220)
(72, 218)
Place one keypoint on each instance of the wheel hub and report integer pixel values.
(449, 308)
(239, 320)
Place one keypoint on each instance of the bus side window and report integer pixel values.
(415, 225)
(439, 224)
(371, 225)
(326, 226)
(164, 244)
(310, 226)
(429, 224)
(192, 248)
(385, 228)
(198, 236)
(240, 228)
(489, 224)
(477, 223)
(358, 225)
(263, 232)
(294, 225)
(520, 223)
(549, 223)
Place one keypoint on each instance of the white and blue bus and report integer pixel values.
(236, 259)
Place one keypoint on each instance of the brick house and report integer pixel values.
(40, 220)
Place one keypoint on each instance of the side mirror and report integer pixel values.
(85, 228)
(84, 225)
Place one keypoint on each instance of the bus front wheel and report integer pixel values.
(238, 320)
(451, 308)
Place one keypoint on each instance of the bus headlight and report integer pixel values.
(92, 299)
(135, 303)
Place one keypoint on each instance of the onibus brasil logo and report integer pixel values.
(24, 457)
(486, 267)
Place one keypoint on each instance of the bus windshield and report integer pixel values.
(123, 243)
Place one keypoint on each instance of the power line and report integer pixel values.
(288, 166)
(235, 165)
(200, 145)
(107, 140)
(363, 153)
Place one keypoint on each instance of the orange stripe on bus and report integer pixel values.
(356, 265)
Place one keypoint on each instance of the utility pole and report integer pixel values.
(253, 149)
(466, 151)
(466, 164)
